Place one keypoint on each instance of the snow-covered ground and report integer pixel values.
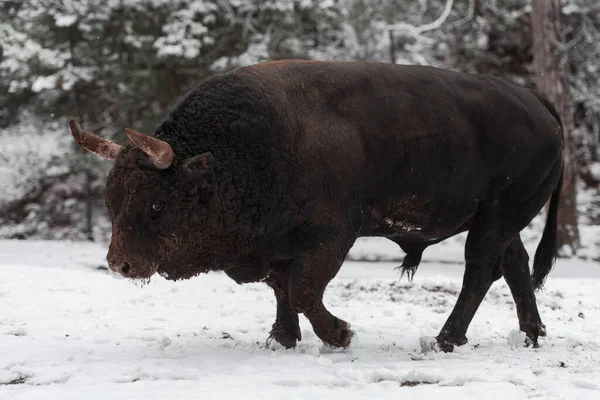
(68, 330)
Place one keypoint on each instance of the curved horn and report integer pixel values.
(160, 152)
(94, 144)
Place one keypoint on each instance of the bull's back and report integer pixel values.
(393, 129)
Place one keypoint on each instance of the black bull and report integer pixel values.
(271, 172)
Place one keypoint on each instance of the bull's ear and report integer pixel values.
(199, 170)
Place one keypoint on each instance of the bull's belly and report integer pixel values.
(414, 219)
(412, 233)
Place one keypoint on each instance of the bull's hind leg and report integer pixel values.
(516, 274)
(309, 276)
(286, 329)
(483, 257)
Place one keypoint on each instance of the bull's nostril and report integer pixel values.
(125, 269)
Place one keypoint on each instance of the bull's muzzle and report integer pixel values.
(117, 262)
(120, 266)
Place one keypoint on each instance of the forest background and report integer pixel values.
(112, 64)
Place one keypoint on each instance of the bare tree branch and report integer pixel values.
(417, 31)
(467, 18)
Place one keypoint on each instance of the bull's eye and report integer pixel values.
(157, 206)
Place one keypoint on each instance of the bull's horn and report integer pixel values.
(160, 152)
(94, 144)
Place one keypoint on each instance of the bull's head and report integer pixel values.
(153, 199)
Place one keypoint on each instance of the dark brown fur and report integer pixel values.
(280, 167)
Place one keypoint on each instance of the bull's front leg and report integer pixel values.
(286, 329)
(309, 275)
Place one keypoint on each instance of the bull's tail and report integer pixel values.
(546, 252)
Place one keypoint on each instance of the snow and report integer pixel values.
(43, 82)
(68, 330)
(65, 20)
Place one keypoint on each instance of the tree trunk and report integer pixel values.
(551, 69)
(392, 46)
(89, 205)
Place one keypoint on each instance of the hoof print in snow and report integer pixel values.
(17, 332)
(414, 383)
(164, 343)
(428, 344)
(315, 351)
(17, 381)
(517, 338)
(225, 335)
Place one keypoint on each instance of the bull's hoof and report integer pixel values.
(285, 337)
(341, 335)
(533, 333)
(447, 343)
